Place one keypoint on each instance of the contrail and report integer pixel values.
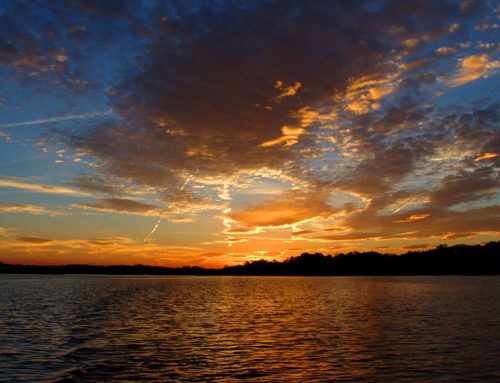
(185, 183)
(57, 119)
(188, 178)
(154, 229)
(159, 219)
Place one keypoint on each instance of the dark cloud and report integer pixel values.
(119, 205)
(417, 224)
(9, 53)
(182, 197)
(18, 47)
(101, 7)
(65, 45)
(388, 165)
(466, 186)
(107, 241)
(211, 89)
(36, 240)
(96, 184)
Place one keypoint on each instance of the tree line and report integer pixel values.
(442, 260)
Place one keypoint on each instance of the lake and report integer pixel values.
(265, 329)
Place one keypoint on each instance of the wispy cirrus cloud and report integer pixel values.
(58, 119)
(122, 205)
(23, 184)
(30, 209)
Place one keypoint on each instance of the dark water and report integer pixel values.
(262, 329)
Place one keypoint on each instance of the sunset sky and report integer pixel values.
(214, 132)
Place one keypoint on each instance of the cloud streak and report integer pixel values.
(153, 230)
(122, 205)
(30, 209)
(59, 119)
(20, 183)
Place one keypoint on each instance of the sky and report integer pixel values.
(212, 133)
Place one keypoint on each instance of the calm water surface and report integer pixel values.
(262, 329)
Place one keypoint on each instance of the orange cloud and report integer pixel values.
(445, 51)
(412, 218)
(287, 91)
(24, 208)
(486, 156)
(289, 208)
(362, 93)
(471, 68)
(290, 136)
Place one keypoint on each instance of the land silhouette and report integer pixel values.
(442, 260)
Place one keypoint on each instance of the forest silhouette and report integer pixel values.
(442, 260)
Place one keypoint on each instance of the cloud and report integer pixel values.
(385, 165)
(97, 184)
(486, 156)
(20, 183)
(108, 241)
(5, 136)
(441, 224)
(472, 68)
(287, 91)
(466, 186)
(342, 103)
(35, 240)
(3, 232)
(108, 8)
(412, 218)
(24, 208)
(124, 206)
(289, 208)
(447, 51)
(208, 98)
(58, 119)
(290, 136)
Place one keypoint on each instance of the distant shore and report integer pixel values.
(442, 260)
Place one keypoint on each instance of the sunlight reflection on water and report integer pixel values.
(265, 329)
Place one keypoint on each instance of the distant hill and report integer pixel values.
(443, 260)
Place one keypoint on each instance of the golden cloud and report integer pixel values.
(24, 208)
(287, 91)
(290, 136)
(486, 156)
(289, 208)
(20, 183)
(412, 218)
(472, 68)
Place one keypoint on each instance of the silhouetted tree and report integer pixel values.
(459, 259)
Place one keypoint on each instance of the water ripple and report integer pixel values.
(260, 329)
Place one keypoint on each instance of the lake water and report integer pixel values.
(262, 329)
